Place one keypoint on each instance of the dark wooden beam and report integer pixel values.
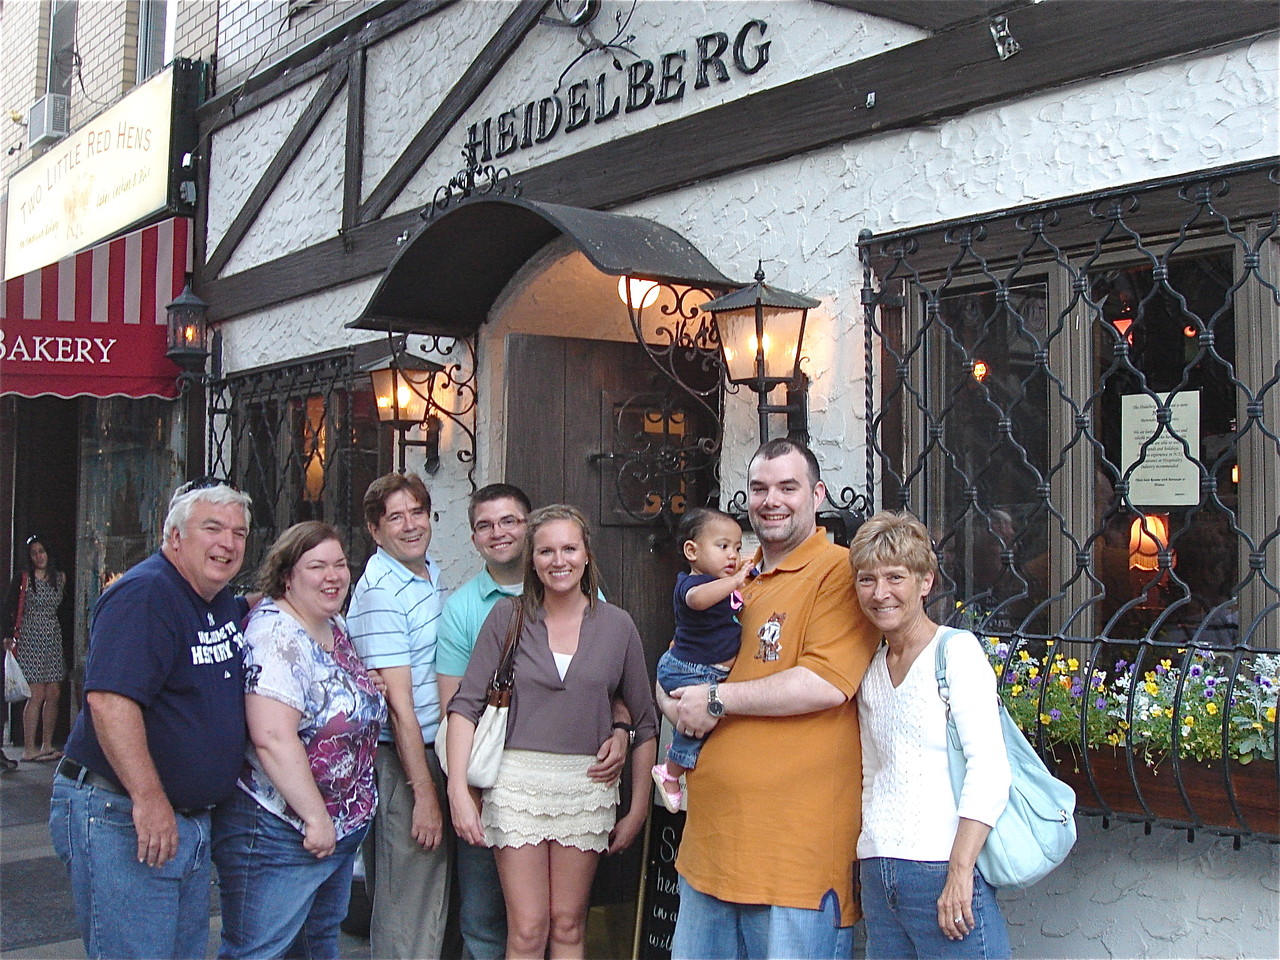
(353, 167)
(360, 252)
(917, 84)
(932, 15)
(359, 33)
(270, 179)
(477, 76)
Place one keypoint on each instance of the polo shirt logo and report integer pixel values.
(770, 648)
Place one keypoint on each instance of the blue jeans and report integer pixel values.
(900, 902)
(278, 899)
(126, 908)
(674, 673)
(481, 910)
(711, 929)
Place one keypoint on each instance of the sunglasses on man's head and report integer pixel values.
(204, 483)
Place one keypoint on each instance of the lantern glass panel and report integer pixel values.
(782, 329)
(401, 395)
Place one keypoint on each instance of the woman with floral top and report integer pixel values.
(285, 843)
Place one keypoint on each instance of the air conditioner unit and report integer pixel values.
(49, 119)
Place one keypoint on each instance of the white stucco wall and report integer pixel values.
(1124, 894)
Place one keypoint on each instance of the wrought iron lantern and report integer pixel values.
(402, 391)
(761, 333)
(187, 316)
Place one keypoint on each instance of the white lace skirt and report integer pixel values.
(548, 796)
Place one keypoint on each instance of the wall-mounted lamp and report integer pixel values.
(188, 321)
(402, 386)
(761, 332)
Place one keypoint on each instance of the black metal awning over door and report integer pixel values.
(446, 278)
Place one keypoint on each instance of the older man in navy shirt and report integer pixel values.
(160, 738)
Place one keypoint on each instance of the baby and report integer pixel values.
(708, 635)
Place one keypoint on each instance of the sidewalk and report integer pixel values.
(37, 921)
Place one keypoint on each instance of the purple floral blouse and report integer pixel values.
(342, 714)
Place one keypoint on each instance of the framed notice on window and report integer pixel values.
(1166, 474)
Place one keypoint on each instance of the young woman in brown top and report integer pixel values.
(546, 819)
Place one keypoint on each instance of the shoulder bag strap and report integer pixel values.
(944, 689)
(504, 676)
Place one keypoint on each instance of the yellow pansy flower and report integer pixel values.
(1045, 718)
(1211, 708)
(1151, 688)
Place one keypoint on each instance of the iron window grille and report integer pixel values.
(1080, 400)
(303, 439)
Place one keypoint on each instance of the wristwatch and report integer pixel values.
(631, 731)
(714, 706)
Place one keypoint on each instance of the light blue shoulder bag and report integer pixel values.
(1038, 827)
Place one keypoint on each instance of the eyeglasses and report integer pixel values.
(505, 524)
(204, 483)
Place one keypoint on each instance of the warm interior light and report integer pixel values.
(1122, 325)
(1189, 331)
(1148, 535)
(980, 370)
(1235, 473)
(189, 333)
(636, 293)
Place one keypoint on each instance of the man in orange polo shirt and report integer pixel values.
(774, 806)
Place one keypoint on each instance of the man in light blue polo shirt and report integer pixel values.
(497, 513)
(394, 616)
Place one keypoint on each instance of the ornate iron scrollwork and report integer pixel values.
(457, 380)
(654, 456)
(474, 179)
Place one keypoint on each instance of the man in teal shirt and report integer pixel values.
(498, 514)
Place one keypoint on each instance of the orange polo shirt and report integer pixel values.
(775, 803)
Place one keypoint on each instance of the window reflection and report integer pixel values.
(992, 399)
(1169, 341)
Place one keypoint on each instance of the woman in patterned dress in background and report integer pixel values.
(34, 635)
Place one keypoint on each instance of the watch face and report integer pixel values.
(714, 707)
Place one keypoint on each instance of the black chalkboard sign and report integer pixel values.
(661, 901)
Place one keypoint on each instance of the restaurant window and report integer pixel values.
(303, 440)
(1060, 398)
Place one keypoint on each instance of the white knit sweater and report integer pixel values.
(908, 809)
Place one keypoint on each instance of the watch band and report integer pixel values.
(631, 731)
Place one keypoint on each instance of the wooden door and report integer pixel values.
(581, 414)
(575, 411)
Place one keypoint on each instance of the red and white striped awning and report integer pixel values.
(94, 323)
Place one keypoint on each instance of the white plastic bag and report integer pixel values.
(15, 681)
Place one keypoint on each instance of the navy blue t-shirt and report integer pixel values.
(155, 640)
(712, 635)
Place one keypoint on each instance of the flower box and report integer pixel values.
(1254, 785)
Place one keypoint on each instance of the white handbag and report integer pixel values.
(491, 731)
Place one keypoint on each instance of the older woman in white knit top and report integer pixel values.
(921, 893)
